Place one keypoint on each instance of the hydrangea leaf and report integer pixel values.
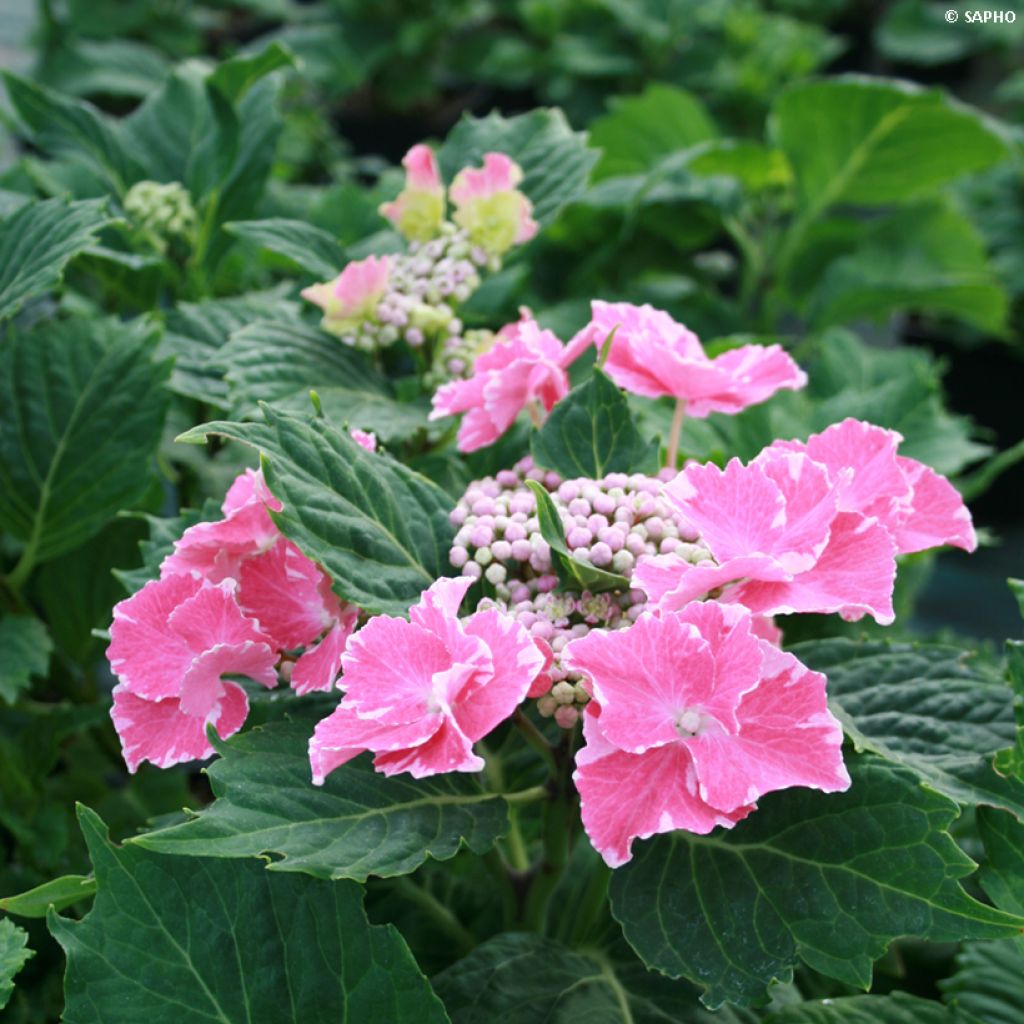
(177, 940)
(523, 978)
(380, 529)
(925, 706)
(639, 130)
(280, 362)
(359, 823)
(82, 406)
(986, 986)
(591, 432)
(196, 331)
(873, 141)
(573, 572)
(37, 241)
(14, 952)
(1002, 874)
(827, 879)
(555, 160)
(26, 647)
(312, 248)
(897, 1008)
(926, 257)
(59, 893)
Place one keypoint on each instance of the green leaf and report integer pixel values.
(986, 986)
(38, 240)
(522, 978)
(1011, 760)
(924, 706)
(59, 893)
(282, 362)
(573, 572)
(310, 247)
(927, 258)
(897, 1008)
(555, 160)
(26, 647)
(378, 528)
(640, 130)
(236, 76)
(359, 823)
(829, 879)
(1002, 874)
(73, 128)
(196, 331)
(757, 167)
(175, 940)
(591, 432)
(872, 141)
(82, 407)
(1017, 587)
(14, 953)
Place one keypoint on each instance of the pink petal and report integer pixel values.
(202, 687)
(448, 750)
(160, 732)
(215, 550)
(542, 681)
(389, 668)
(438, 606)
(212, 616)
(148, 657)
(645, 678)
(854, 576)
(764, 628)
(365, 439)
(343, 735)
(281, 589)
(249, 488)
(742, 511)
(421, 171)
(751, 374)
(633, 796)
(489, 699)
(787, 737)
(937, 513)
(499, 174)
(672, 583)
(319, 666)
(861, 459)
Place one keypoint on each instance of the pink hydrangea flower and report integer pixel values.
(419, 209)
(780, 540)
(919, 508)
(353, 296)
(286, 592)
(170, 645)
(489, 206)
(528, 364)
(420, 693)
(654, 356)
(697, 719)
(365, 439)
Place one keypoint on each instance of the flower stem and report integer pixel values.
(673, 439)
(438, 913)
(535, 738)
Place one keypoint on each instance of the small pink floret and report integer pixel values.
(654, 356)
(528, 365)
(717, 718)
(420, 693)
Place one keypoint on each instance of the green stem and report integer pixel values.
(536, 739)
(592, 902)
(673, 439)
(438, 913)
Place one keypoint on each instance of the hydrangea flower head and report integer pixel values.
(654, 356)
(419, 209)
(170, 644)
(352, 297)
(420, 693)
(527, 364)
(919, 508)
(489, 206)
(697, 718)
(779, 540)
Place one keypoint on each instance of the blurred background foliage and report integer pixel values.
(738, 170)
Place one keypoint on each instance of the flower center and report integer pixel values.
(688, 723)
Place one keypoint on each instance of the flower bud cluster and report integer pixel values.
(608, 523)
(425, 285)
(161, 211)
